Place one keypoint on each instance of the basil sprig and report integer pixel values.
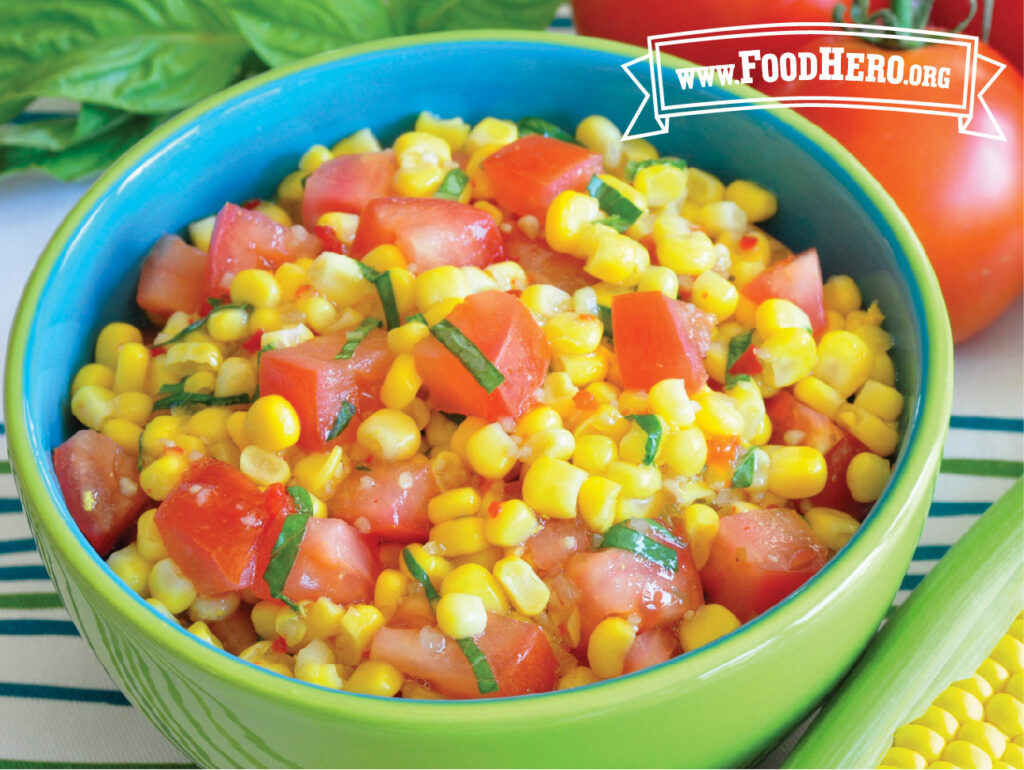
(176, 395)
(635, 165)
(469, 355)
(355, 336)
(199, 323)
(534, 125)
(452, 185)
(386, 292)
(621, 536)
(621, 211)
(652, 427)
(282, 558)
(737, 347)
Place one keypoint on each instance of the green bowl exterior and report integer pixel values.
(719, 706)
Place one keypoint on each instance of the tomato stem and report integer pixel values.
(906, 14)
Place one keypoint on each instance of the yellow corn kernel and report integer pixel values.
(272, 423)
(453, 130)
(317, 313)
(593, 452)
(714, 294)
(995, 675)
(124, 432)
(228, 325)
(819, 395)
(538, 419)
(609, 643)
(599, 134)
(439, 284)
(401, 383)
(1009, 653)
(569, 214)
(434, 565)
(265, 320)
(788, 355)
(491, 131)
(573, 333)
(133, 406)
(884, 371)
(168, 584)
(527, 592)
(389, 589)
(797, 472)
(866, 476)
(214, 608)
(362, 140)
(639, 481)
(633, 446)
(658, 278)
(404, 338)
(545, 300)
(355, 632)
(580, 676)
(339, 278)
(703, 187)
(661, 183)
(509, 276)
(961, 704)
(440, 310)
(898, 756)
(977, 686)
(833, 528)
(256, 287)
(291, 627)
(920, 739)
(236, 376)
(758, 203)
(209, 424)
(322, 674)
(478, 581)
(700, 522)
(582, 370)
(453, 504)
(461, 616)
(342, 224)
(291, 188)
(321, 472)
(132, 365)
(841, 294)
(775, 314)
(964, 754)
(93, 374)
(722, 218)
(690, 253)
(1006, 713)
(162, 475)
(880, 437)
(844, 361)
(1013, 756)
(389, 434)
(133, 568)
(264, 617)
(202, 631)
(885, 402)
(200, 232)
(236, 430)
(314, 157)
(148, 541)
(617, 258)
(263, 467)
(92, 405)
(187, 358)
(459, 537)
(939, 721)
(159, 432)
(551, 486)
(598, 502)
(323, 618)
(638, 149)
(686, 452)
(491, 452)
(718, 415)
(511, 523)
(708, 623)
(110, 340)
(375, 677)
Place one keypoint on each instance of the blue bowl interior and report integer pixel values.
(245, 144)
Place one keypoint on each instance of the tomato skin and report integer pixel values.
(503, 329)
(347, 183)
(789, 414)
(543, 264)
(527, 174)
(389, 501)
(89, 467)
(557, 540)
(332, 561)
(758, 558)
(1005, 34)
(836, 493)
(316, 383)
(962, 194)
(649, 649)
(430, 232)
(797, 279)
(173, 278)
(212, 524)
(657, 337)
(519, 655)
(244, 239)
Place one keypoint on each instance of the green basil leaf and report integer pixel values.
(737, 347)
(485, 681)
(540, 126)
(176, 395)
(743, 476)
(57, 133)
(138, 462)
(621, 536)
(199, 323)
(605, 314)
(259, 357)
(456, 418)
(619, 224)
(360, 467)
(452, 185)
(302, 499)
(386, 292)
(420, 576)
(434, 15)
(621, 211)
(345, 415)
(282, 558)
(418, 317)
(355, 336)
(635, 165)
(469, 355)
(281, 32)
(652, 427)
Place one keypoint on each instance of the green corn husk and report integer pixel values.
(942, 632)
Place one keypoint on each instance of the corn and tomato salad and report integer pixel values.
(496, 410)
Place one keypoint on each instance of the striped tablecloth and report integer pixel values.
(59, 708)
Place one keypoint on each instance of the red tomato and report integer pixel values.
(388, 502)
(519, 655)
(657, 338)
(503, 329)
(747, 363)
(794, 423)
(317, 384)
(758, 558)
(430, 232)
(173, 278)
(545, 265)
(244, 239)
(1007, 23)
(649, 649)
(100, 486)
(557, 541)
(347, 183)
(797, 279)
(836, 493)
(616, 582)
(962, 194)
(333, 561)
(527, 174)
(212, 524)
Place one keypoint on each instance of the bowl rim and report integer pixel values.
(926, 429)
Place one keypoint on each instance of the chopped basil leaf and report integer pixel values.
(662, 530)
(138, 462)
(743, 476)
(213, 302)
(485, 681)
(362, 467)
(282, 558)
(259, 356)
(176, 395)
(469, 355)
(619, 224)
(613, 203)
(199, 323)
(341, 421)
(420, 576)
(635, 165)
(368, 272)
(452, 185)
(456, 418)
(605, 314)
(532, 125)
(652, 427)
(621, 536)
(355, 336)
(737, 347)
(386, 292)
(418, 317)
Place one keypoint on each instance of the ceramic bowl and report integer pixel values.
(719, 706)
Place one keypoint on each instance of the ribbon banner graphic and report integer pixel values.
(832, 75)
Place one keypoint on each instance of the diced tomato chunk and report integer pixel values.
(503, 329)
(657, 338)
(347, 183)
(836, 493)
(557, 541)
(796, 278)
(616, 582)
(649, 649)
(389, 501)
(101, 487)
(430, 232)
(519, 655)
(747, 363)
(795, 423)
(212, 524)
(333, 561)
(173, 278)
(758, 558)
(317, 384)
(543, 264)
(527, 174)
(244, 239)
